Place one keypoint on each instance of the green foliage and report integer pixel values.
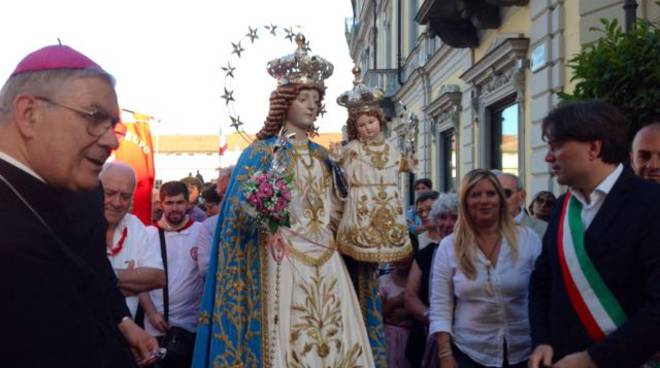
(622, 69)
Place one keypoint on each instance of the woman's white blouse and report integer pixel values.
(480, 323)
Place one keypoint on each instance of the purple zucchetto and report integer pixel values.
(54, 57)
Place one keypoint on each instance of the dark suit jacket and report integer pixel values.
(623, 242)
(56, 313)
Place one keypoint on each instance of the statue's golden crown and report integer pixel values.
(361, 97)
(300, 67)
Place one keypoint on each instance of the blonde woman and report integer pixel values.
(478, 309)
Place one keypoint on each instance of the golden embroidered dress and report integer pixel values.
(300, 311)
(305, 315)
(319, 320)
(373, 226)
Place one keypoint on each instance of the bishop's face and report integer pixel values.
(303, 110)
(63, 133)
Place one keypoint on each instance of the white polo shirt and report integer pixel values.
(185, 282)
(136, 249)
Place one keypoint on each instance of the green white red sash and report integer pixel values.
(596, 306)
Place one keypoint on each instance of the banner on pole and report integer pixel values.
(136, 150)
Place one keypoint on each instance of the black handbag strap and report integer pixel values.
(166, 292)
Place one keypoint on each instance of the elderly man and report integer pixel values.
(58, 124)
(594, 297)
(645, 155)
(137, 263)
(515, 199)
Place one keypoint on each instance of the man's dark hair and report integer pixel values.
(425, 181)
(173, 189)
(589, 121)
(426, 196)
(211, 195)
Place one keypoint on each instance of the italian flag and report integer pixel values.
(596, 306)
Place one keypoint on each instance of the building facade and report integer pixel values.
(480, 75)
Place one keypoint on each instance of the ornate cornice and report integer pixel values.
(449, 100)
(497, 63)
(445, 108)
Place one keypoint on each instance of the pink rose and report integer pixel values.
(253, 200)
(265, 190)
(280, 204)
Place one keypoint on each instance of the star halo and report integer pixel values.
(238, 49)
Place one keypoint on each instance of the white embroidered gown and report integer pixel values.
(373, 226)
(311, 297)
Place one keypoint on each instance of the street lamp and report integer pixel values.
(630, 8)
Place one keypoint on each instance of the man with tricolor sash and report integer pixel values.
(595, 291)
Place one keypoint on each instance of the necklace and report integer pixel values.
(115, 249)
(490, 264)
(300, 157)
(378, 158)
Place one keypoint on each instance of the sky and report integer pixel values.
(167, 55)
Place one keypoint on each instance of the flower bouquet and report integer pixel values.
(268, 195)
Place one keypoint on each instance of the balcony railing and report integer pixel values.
(385, 79)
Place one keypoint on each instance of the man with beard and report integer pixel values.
(174, 310)
(594, 295)
(645, 155)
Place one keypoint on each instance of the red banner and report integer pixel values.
(136, 150)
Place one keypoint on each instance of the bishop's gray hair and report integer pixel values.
(42, 83)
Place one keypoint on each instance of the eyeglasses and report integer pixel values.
(508, 193)
(545, 201)
(99, 121)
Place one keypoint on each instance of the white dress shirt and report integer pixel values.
(597, 197)
(136, 249)
(480, 323)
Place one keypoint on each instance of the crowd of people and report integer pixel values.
(473, 278)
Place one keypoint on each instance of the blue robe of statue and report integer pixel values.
(233, 328)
